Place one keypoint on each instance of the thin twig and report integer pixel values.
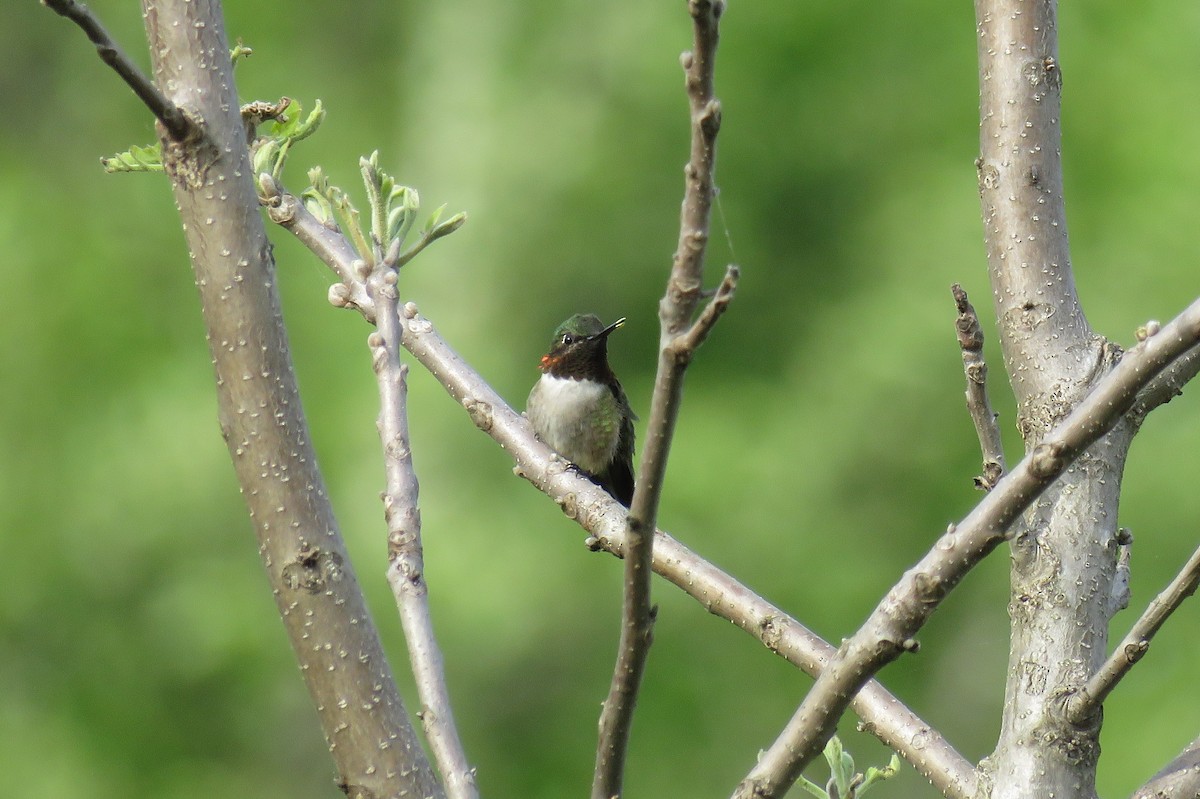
(176, 123)
(406, 567)
(889, 630)
(690, 341)
(970, 341)
(1136, 643)
(595, 511)
(678, 339)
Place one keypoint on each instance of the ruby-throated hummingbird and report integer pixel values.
(579, 409)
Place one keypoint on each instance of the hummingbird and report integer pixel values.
(579, 409)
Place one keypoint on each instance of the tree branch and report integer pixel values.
(970, 341)
(204, 153)
(327, 243)
(406, 567)
(176, 123)
(1170, 383)
(595, 511)
(1045, 336)
(1136, 643)
(1066, 545)
(679, 337)
(889, 630)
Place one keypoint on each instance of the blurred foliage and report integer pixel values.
(823, 444)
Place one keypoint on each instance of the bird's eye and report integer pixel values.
(567, 338)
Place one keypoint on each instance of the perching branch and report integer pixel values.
(406, 568)
(679, 337)
(176, 123)
(889, 630)
(1135, 644)
(373, 744)
(594, 510)
(970, 341)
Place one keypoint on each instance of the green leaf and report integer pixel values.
(875, 775)
(433, 219)
(372, 181)
(239, 52)
(135, 159)
(310, 124)
(813, 788)
(841, 765)
(276, 136)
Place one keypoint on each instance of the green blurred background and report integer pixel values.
(823, 443)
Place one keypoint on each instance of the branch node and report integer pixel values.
(710, 118)
(1147, 330)
(1046, 461)
(339, 296)
(481, 413)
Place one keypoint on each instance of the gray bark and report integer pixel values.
(322, 607)
(1064, 554)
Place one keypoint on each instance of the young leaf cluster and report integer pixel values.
(393, 214)
(135, 159)
(844, 782)
(269, 150)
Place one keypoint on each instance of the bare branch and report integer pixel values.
(684, 287)
(1169, 384)
(1045, 336)
(1135, 644)
(889, 630)
(970, 341)
(679, 337)
(690, 341)
(176, 123)
(406, 567)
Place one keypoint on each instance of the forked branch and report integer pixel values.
(891, 627)
(1135, 644)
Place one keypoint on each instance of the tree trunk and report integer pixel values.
(1064, 553)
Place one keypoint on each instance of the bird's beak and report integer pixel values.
(604, 333)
